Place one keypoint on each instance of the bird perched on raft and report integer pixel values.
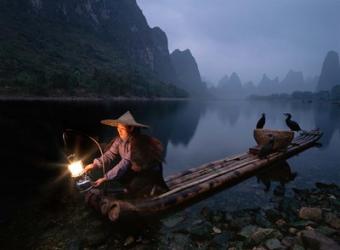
(260, 123)
(267, 148)
(293, 125)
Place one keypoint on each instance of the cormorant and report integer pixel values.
(267, 148)
(260, 123)
(294, 126)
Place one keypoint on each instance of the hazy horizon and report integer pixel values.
(249, 37)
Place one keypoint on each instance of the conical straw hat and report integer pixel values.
(126, 119)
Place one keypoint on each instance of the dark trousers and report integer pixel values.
(145, 183)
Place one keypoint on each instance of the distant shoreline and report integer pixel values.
(87, 98)
(14, 98)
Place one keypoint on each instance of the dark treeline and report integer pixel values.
(99, 82)
(332, 95)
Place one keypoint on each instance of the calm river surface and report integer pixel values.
(193, 133)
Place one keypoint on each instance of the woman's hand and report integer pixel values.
(88, 168)
(99, 181)
(136, 167)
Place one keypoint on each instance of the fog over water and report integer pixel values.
(249, 37)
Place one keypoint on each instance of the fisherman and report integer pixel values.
(140, 176)
(147, 175)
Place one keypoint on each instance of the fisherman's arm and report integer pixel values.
(115, 173)
(108, 157)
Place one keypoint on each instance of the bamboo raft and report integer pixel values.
(196, 183)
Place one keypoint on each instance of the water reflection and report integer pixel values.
(177, 127)
(227, 112)
(327, 118)
(279, 172)
(193, 132)
(31, 134)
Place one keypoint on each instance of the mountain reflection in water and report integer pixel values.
(279, 172)
(193, 133)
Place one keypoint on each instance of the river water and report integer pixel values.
(193, 133)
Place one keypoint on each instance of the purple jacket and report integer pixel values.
(119, 148)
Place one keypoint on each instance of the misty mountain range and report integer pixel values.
(232, 86)
(330, 73)
(107, 47)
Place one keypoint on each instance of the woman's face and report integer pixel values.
(124, 131)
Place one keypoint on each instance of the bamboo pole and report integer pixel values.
(181, 180)
(196, 174)
(177, 198)
(204, 166)
(207, 178)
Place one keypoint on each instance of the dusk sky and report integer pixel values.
(250, 37)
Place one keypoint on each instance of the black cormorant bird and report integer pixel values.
(260, 123)
(267, 148)
(294, 126)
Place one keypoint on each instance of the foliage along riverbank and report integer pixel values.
(309, 219)
(101, 83)
(89, 98)
(308, 96)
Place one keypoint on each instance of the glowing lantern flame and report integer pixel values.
(76, 168)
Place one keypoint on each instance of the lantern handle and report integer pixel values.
(91, 138)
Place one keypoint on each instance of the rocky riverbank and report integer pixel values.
(308, 219)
